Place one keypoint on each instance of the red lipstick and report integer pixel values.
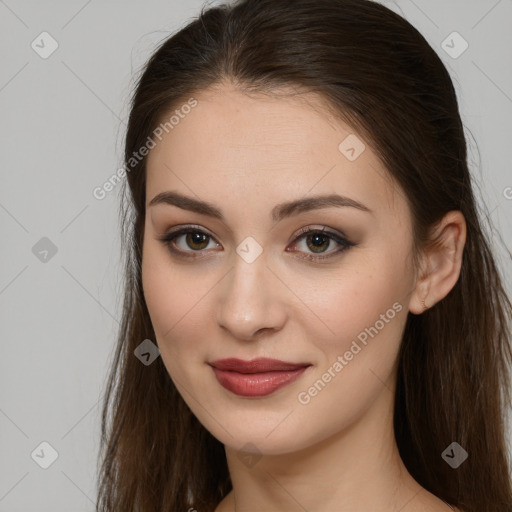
(258, 377)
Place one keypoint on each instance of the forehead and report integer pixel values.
(263, 146)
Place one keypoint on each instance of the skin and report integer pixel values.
(245, 155)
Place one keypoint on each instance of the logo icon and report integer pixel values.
(249, 455)
(44, 45)
(454, 45)
(44, 455)
(44, 250)
(249, 249)
(147, 352)
(454, 455)
(351, 147)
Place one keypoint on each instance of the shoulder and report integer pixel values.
(427, 502)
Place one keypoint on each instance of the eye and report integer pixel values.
(194, 238)
(315, 240)
(318, 240)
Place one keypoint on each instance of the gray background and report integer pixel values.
(62, 125)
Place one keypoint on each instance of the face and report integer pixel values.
(249, 283)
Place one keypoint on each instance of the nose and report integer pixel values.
(250, 300)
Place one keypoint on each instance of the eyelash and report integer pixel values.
(345, 244)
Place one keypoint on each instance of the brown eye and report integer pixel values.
(192, 241)
(196, 240)
(318, 241)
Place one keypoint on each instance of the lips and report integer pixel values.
(258, 377)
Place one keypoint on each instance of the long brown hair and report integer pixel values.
(378, 73)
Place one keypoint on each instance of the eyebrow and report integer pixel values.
(278, 213)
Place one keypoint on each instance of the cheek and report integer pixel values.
(161, 298)
(365, 308)
(367, 314)
(176, 305)
(368, 292)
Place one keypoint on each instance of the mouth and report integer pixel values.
(258, 377)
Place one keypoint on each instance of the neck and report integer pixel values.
(357, 469)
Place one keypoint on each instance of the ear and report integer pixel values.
(441, 262)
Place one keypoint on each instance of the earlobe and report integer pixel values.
(442, 261)
(419, 301)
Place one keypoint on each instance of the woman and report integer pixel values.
(304, 249)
